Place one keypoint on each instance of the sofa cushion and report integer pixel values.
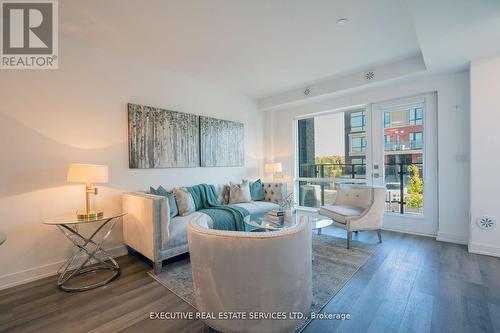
(239, 192)
(178, 225)
(257, 207)
(184, 200)
(354, 195)
(178, 228)
(257, 190)
(341, 213)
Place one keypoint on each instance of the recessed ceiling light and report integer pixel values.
(342, 21)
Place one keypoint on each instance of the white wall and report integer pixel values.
(453, 138)
(79, 114)
(485, 153)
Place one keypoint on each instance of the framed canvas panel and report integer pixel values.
(161, 138)
(221, 143)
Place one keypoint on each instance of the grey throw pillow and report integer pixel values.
(239, 192)
(222, 193)
(184, 200)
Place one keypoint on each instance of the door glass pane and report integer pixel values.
(403, 159)
(331, 149)
(316, 193)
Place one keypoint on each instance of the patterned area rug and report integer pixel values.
(332, 267)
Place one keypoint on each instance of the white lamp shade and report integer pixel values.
(87, 173)
(272, 167)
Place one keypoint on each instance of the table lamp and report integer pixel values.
(274, 168)
(88, 174)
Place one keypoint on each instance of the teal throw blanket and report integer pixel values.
(224, 217)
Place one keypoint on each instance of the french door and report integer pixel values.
(404, 161)
(391, 144)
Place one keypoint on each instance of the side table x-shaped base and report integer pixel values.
(89, 251)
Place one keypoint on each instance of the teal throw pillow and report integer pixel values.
(257, 191)
(171, 199)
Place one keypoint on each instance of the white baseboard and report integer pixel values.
(36, 273)
(452, 238)
(408, 232)
(488, 250)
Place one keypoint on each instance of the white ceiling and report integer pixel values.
(451, 33)
(265, 47)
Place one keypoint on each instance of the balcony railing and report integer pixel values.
(403, 145)
(400, 197)
(332, 170)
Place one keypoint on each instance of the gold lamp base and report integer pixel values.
(83, 215)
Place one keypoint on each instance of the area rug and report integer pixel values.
(332, 267)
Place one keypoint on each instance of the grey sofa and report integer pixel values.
(149, 230)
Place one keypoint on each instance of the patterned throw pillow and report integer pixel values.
(239, 192)
(274, 192)
(184, 200)
(257, 190)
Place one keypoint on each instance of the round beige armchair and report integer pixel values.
(255, 273)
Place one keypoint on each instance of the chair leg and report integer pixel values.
(130, 250)
(379, 234)
(157, 267)
(349, 239)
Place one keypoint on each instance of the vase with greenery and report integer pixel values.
(287, 204)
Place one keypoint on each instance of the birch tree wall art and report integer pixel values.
(222, 143)
(161, 138)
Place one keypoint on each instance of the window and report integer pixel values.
(325, 157)
(387, 142)
(306, 146)
(416, 140)
(416, 116)
(358, 144)
(403, 124)
(357, 121)
(387, 119)
(358, 161)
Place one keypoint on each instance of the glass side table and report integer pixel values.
(89, 250)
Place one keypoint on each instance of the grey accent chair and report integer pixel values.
(357, 208)
(252, 272)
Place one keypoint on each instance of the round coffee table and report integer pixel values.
(263, 222)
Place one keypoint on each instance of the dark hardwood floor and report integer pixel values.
(410, 284)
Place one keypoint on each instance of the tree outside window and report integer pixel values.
(415, 196)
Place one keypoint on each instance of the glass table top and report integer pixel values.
(73, 219)
(264, 221)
